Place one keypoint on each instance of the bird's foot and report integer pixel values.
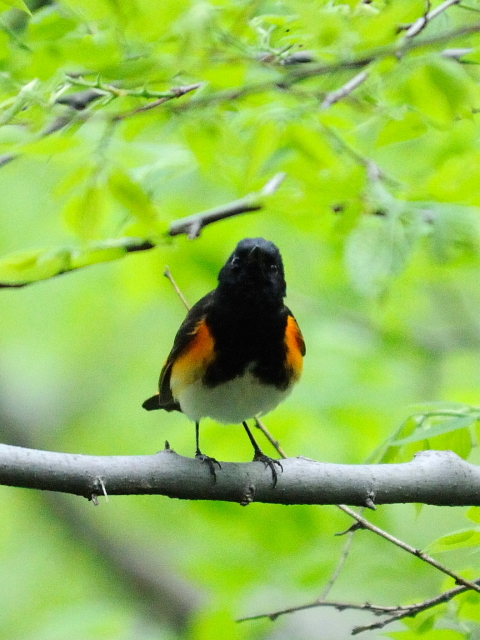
(269, 462)
(211, 462)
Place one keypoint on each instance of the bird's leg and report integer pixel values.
(261, 457)
(211, 462)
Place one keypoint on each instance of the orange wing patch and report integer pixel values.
(191, 364)
(295, 347)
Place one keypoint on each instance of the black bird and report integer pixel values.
(239, 351)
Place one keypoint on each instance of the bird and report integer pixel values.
(239, 351)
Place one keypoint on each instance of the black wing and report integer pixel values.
(186, 333)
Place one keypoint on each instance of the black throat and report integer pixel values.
(248, 325)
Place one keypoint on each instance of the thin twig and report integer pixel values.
(273, 441)
(177, 92)
(420, 24)
(346, 550)
(396, 612)
(393, 612)
(409, 611)
(75, 259)
(193, 225)
(343, 558)
(117, 91)
(340, 606)
(457, 53)
(365, 524)
(334, 96)
(80, 105)
(374, 171)
(299, 74)
(168, 274)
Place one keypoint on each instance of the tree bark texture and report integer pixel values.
(432, 477)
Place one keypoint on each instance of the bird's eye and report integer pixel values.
(234, 262)
(273, 268)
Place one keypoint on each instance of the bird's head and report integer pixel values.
(255, 268)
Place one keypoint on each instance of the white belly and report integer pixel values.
(232, 402)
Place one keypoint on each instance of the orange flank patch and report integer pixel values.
(192, 362)
(295, 347)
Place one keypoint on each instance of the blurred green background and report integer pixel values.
(382, 276)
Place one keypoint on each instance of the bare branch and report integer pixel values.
(304, 72)
(168, 274)
(422, 22)
(193, 225)
(393, 613)
(275, 443)
(177, 92)
(79, 101)
(365, 524)
(411, 610)
(336, 573)
(75, 259)
(456, 54)
(339, 605)
(433, 477)
(334, 96)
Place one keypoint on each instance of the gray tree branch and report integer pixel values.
(193, 225)
(392, 613)
(190, 225)
(433, 477)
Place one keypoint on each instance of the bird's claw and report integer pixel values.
(269, 462)
(211, 462)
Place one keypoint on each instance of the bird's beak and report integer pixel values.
(254, 255)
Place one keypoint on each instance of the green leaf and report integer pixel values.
(377, 251)
(423, 623)
(40, 264)
(50, 145)
(455, 229)
(465, 538)
(438, 88)
(17, 4)
(30, 266)
(411, 125)
(85, 213)
(132, 196)
(96, 255)
(386, 452)
(379, 248)
(446, 426)
(474, 514)
(104, 251)
(458, 441)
